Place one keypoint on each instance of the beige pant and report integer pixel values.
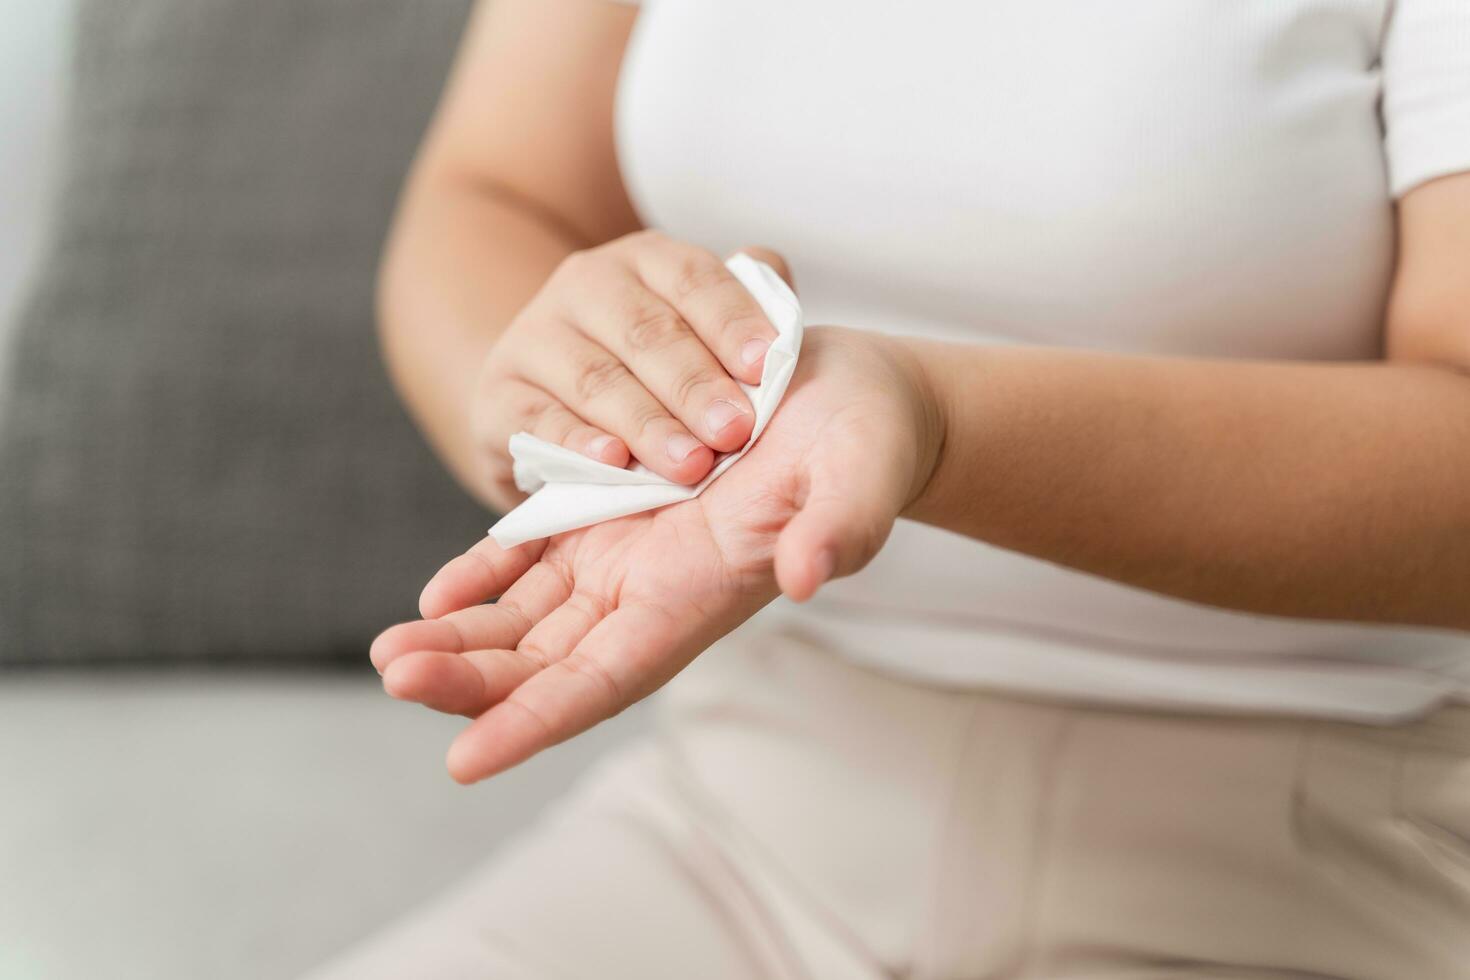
(801, 817)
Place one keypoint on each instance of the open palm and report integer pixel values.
(594, 619)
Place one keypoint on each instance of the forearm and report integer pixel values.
(1318, 490)
(461, 263)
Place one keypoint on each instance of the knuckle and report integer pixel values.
(573, 434)
(576, 272)
(578, 259)
(642, 238)
(529, 410)
(696, 274)
(558, 427)
(597, 376)
(741, 320)
(648, 418)
(651, 329)
(689, 383)
(571, 264)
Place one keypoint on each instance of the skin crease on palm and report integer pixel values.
(595, 619)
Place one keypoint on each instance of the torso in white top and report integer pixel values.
(1167, 176)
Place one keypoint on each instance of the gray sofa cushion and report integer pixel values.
(200, 457)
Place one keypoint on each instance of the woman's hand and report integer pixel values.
(630, 348)
(592, 620)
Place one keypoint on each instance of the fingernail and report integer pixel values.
(680, 446)
(753, 350)
(720, 414)
(599, 446)
(825, 565)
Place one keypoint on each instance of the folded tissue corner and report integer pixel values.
(569, 490)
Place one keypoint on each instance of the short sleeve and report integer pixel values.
(1426, 91)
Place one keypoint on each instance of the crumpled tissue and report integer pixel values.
(569, 490)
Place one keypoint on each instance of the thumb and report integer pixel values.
(836, 532)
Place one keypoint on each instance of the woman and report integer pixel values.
(1152, 321)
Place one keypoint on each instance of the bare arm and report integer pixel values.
(1317, 490)
(517, 172)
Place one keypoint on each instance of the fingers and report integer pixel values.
(499, 625)
(838, 530)
(458, 684)
(631, 349)
(664, 351)
(555, 636)
(595, 384)
(480, 574)
(472, 682)
(504, 622)
(607, 671)
(533, 410)
(720, 312)
(406, 638)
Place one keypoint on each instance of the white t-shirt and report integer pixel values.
(1174, 176)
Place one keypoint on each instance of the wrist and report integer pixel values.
(930, 379)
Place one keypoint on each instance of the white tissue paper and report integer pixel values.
(569, 490)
